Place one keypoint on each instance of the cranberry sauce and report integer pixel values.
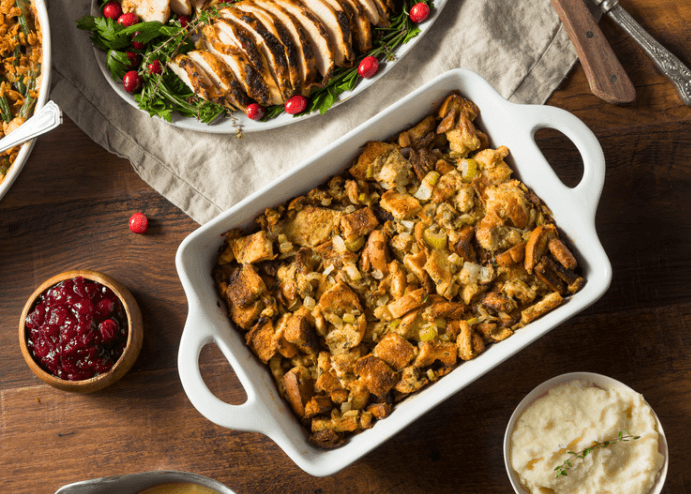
(77, 329)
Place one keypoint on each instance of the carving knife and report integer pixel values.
(668, 64)
(606, 76)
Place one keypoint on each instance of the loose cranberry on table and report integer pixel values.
(139, 223)
(296, 104)
(155, 67)
(77, 329)
(419, 12)
(112, 10)
(255, 111)
(131, 81)
(368, 67)
(128, 19)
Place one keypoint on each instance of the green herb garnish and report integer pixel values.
(567, 465)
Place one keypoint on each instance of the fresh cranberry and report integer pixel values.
(139, 223)
(134, 59)
(131, 81)
(255, 111)
(184, 21)
(137, 45)
(419, 12)
(79, 329)
(112, 10)
(368, 67)
(296, 104)
(128, 19)
(155, 67)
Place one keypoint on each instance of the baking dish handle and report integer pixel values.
(587, 192)
(195, 336)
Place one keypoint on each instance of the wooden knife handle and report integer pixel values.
(606, 76)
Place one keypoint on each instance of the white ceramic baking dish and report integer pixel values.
(507, 124)
(44, 89)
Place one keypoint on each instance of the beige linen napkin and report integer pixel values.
(519, 46)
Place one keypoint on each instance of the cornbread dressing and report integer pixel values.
(569, 418)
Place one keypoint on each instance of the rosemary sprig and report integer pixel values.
(567, 465)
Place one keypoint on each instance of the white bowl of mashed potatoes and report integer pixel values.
(566, 415)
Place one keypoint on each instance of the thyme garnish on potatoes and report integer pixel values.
(562, 469)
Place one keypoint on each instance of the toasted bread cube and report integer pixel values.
(363, 168)
(252, 248)
(312, 226)
(299, 388)
(261, 340)
(395, 350)
(245, 287)
(431, 351)
(358, 223)
(401, 205)
(298, 331)
(378, 376)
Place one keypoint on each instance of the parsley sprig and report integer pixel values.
(164, 94)
(567, 465)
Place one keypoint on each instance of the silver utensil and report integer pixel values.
(668, 64)
(136, 482)
(44, 120)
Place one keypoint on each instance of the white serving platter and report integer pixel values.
(507, 124)
(240, 120)
(43, 91)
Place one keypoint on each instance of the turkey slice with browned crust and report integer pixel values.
(239, 37)
(280, 31)
(363, 28)
(269, 45)
(197, 80)
(221, 75)
(338, 27)
(322, 46)
(370, 10)
(301, 41)
(249, 78)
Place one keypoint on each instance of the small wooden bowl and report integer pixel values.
(135, 335)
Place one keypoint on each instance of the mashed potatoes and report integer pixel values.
(569, 418)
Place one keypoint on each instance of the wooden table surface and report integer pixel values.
(69, 209)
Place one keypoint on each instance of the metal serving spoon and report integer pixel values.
(44, 120)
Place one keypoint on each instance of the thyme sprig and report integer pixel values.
(567, 465)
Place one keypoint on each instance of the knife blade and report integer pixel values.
(668, 64)
(606, 76)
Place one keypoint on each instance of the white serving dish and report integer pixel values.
(598, 380)
(137, 482)
(230, 126)
(25, 151)
(507, 124)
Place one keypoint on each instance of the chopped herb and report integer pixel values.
(567, 465)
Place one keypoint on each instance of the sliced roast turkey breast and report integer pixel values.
(234, 34)
(383, 10)
(249, 78)
(363, 28)
(338, 27)
(322, 45)
(222, 76)
(269, 45)
(370, 10)
(303, 46)
(195, 77)
(276, 27)
(148, 10)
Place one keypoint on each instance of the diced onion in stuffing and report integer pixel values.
(309, 302)
(328, 270)
(339, 244)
